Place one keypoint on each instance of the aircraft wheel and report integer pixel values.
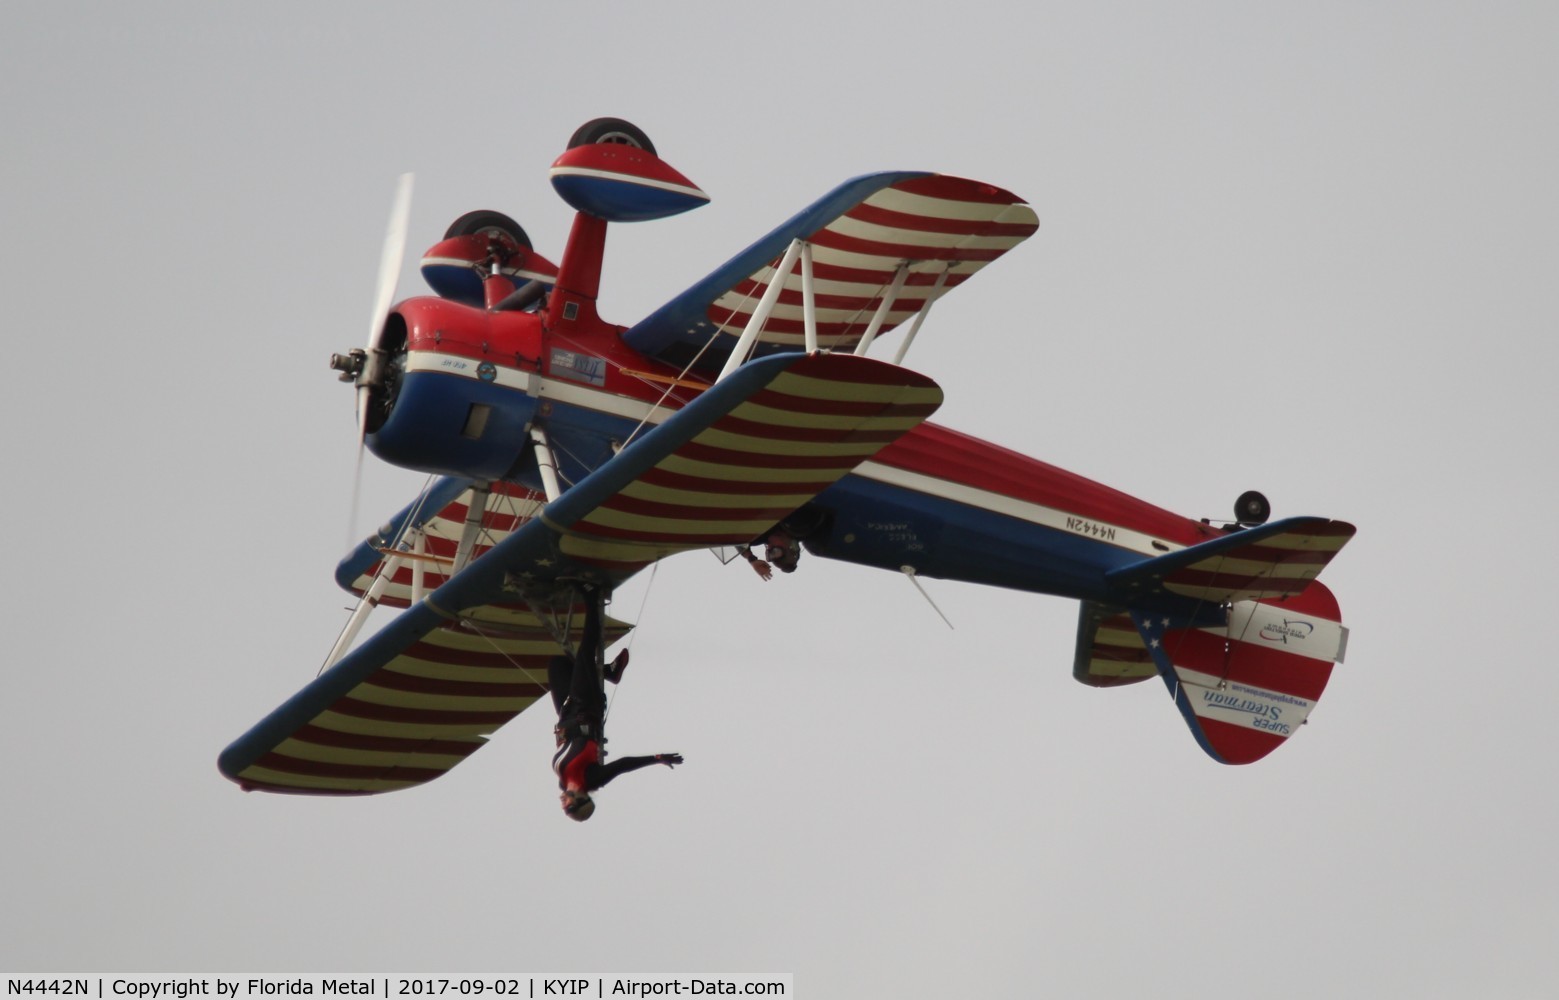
(611, 130)
(1252, 508)
(485, 221)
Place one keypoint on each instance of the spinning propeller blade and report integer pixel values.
(374, 360)
(384, 297)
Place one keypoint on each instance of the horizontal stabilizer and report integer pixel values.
(1109, 650)
(1248, 685)
(1272, 560)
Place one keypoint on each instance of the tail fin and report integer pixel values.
(1246, 687)
(1246, 682)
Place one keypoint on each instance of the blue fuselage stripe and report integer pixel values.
(873, 523)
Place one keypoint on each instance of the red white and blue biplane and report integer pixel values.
(572, 451)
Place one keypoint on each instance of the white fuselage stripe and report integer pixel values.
(1023, 510)
(600, 400)
(611, 175)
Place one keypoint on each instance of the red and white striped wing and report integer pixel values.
(415, 717)
(436, 702)
(424, 711)
(508, 507)
(933, 223)
(1275, 566)
(1109, 649)
(425, 692)
(813, 424)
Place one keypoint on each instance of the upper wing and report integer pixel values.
(861, 232)
(424, 692)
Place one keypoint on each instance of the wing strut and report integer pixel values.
(920, 317)
(366, 604)
(808, 299)
(473, 526)
(419, 552)
(760, 315)
(883, 308)
(546, 464)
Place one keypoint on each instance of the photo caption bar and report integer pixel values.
(399, 986)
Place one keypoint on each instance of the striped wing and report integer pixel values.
(1274, 560)
(812, 424)
(408, 721)
(943, 228)
(399, 713)
(1109, 650)
(441, 515)
(425, 692)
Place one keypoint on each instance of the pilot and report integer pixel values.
(780, 548)
(581, 705)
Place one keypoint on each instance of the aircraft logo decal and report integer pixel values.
(578, 367)
(1290, 629)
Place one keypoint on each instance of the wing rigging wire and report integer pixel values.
(392, 545)
(510, 506)
(632, 635)
(474, 627)
(683, 374)
(664, 395)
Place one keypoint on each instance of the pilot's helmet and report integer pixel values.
(783, 551)
(580, 806)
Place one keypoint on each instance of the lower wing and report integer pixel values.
(426, 691)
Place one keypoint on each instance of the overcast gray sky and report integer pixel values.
(1307, 249)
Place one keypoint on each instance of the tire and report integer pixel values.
(611, 130)
(485, 221)
(1252, 508)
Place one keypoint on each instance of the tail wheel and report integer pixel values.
(1252, 508)
(614, 131)
(489, 222)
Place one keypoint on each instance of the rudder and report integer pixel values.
(1246, 687)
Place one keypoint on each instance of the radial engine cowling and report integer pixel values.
(460, 391)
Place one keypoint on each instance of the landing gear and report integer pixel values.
(611, 130)
(490, 223)
(1251, 509)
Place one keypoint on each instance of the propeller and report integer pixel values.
(366, 367)
(375, 360)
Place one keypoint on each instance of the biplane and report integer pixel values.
(566, 453)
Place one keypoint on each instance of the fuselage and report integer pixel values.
(947, 505)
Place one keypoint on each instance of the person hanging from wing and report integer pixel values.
(780, 549)
(580, 699)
